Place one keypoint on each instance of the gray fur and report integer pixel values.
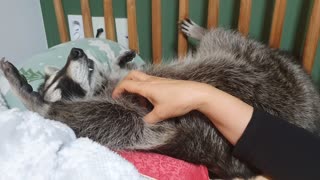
(262, 77)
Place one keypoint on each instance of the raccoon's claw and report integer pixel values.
(12, 74)
(2, 61)
(185, 26)
(189, 21)
(191, 29)
(7, 68)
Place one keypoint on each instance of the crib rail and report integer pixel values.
(87, 19)
(277, 23)
(182, 40)
(156, 32)
(132, 25)
(244, 17)
(62, 27)
(312, 38)
(109, 20)
(213, 14)
(212, 21)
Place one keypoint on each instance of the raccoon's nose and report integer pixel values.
(76, 53)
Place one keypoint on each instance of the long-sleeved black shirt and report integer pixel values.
(279, 149)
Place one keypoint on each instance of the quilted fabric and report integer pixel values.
(165, 168)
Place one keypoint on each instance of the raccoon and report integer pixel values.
(79, 95)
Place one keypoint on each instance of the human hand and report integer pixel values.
(169, 97)
(172, 98)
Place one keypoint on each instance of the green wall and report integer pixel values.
(296, 21)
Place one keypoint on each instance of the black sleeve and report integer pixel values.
(279, 149)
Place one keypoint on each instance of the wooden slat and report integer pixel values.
(156, 32)
(244, 17)
(182, 40)
(213, 14)
(132, 25)
(87, 20)
(62, 26)
(277, 23)
(109, 20)
(312, 38)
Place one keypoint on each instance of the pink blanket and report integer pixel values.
(163, 167)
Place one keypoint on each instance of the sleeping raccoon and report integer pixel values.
(79, 95)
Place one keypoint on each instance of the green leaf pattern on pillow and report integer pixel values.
(30, 75)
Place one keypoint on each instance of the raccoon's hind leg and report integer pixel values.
(124, 59)
(191, 29)
(19, 85)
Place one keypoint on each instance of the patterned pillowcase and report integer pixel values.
(33, 69)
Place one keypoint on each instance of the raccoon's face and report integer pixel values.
(79, 78)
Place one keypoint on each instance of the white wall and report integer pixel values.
(22, 31)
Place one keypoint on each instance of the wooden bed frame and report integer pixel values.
(309, 51)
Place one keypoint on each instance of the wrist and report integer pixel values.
(206, 98)
(229, 114)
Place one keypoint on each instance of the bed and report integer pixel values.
(152, 167)
(310, 46)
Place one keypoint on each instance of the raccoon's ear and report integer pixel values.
(49, 70)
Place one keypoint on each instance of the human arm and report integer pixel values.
(280, 150)
(172, 98)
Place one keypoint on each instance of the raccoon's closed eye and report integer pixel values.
(90, 65)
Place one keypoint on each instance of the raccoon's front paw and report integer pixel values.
(191, 29)
(126, 57)
(12, 74)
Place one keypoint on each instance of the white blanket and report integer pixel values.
(34, 148)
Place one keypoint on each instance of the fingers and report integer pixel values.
(131, 84)
(137, 76)
(154, 116)
(128, 86)
(150, 118)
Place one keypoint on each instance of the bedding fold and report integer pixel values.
(36, 148)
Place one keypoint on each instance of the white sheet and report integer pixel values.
(34, 148)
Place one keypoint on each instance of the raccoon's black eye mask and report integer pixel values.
(70, 89)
